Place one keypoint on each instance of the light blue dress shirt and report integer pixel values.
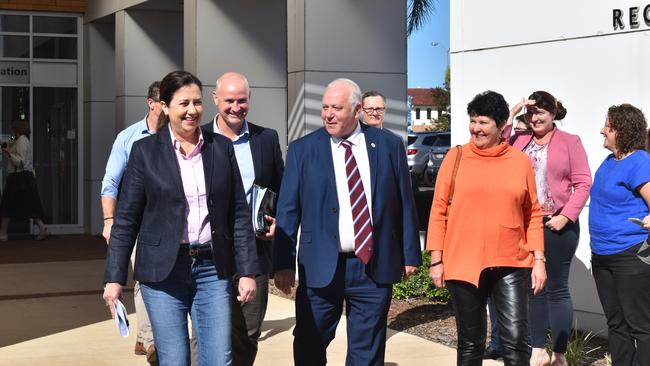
(116, 164)
(244, 157)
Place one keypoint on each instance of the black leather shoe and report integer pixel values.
(491, 354)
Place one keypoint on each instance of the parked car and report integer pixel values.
(437, 152)
(417, 153)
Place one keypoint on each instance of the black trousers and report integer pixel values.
(623, 283)
(247, 321)
(552, 307)
(508, 288)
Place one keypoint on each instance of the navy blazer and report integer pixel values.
(152, 204)
(269, 167)
(308, 199)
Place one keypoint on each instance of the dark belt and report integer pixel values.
(197, 250)
(347, 255)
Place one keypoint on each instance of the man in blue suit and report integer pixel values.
(347, 187)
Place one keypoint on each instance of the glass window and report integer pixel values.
(417, 113)
(58, 25)
(442, 140)
(55, 47)
(411, 139)
(428, 113)
(14, 46)
(14, 23)
(428, 141)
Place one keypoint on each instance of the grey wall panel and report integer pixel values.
(99, 62)
(153, 46)
(360, 35)
(134, 109)
(101, 134)
(96, 9)
(94, 222)
(244, 36)
(393, 86)
(296, 35)
(296, 105)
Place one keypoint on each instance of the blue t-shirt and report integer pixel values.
(615, 198)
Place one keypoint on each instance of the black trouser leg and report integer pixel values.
(247, 322)
(469, 308)
(509, 295)
(623, 283)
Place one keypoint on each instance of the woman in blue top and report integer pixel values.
(620, 192)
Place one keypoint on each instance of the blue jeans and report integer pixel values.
(192, 287)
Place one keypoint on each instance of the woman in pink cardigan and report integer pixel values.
(563, 180)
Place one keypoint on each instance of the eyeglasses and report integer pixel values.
(374, 110)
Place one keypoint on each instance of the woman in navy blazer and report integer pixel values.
(182, 198)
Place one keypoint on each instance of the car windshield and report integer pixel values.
(442, 140)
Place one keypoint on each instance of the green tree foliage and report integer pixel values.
(418, 14)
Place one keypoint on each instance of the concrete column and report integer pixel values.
(363, 40)
(149, 44)
(248, 37)
(99, 114)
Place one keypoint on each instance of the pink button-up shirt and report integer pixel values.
(197, 220)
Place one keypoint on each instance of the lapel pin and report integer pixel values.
(372, 144)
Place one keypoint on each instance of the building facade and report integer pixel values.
(89, 64)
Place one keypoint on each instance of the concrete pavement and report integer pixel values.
(52, 313)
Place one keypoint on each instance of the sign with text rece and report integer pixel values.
(631, 18)
(14, 72)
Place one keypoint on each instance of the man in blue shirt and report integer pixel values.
(258, 154)
(115, 168)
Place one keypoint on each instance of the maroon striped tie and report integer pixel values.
(363, 239)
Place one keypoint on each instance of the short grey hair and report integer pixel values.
(355, 92)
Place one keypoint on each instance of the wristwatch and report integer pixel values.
(543, 259)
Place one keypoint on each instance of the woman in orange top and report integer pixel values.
(487, 240)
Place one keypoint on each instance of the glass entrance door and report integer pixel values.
(55, 141)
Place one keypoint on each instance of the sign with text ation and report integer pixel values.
(15, 72)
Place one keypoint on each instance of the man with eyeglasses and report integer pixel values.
(115, 168)
(374, 108)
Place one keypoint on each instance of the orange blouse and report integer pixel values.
(494, 219)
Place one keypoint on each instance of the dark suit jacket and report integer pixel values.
(152, 208)
(269, 167)
(308, 198)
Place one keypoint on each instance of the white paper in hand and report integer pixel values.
(122, 319)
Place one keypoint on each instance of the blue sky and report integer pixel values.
(427, 63)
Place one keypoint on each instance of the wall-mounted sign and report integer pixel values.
(14, 72)
(631, 18)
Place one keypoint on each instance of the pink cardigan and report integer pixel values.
(567, 169)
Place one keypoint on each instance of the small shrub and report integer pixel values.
(577, 348)
(420, 284)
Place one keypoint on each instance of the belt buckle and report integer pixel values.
(194, 250)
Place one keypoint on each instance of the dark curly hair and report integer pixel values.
(630, 125)
(546, 101)
(489, 104)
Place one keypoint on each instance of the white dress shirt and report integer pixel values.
(346, 226)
